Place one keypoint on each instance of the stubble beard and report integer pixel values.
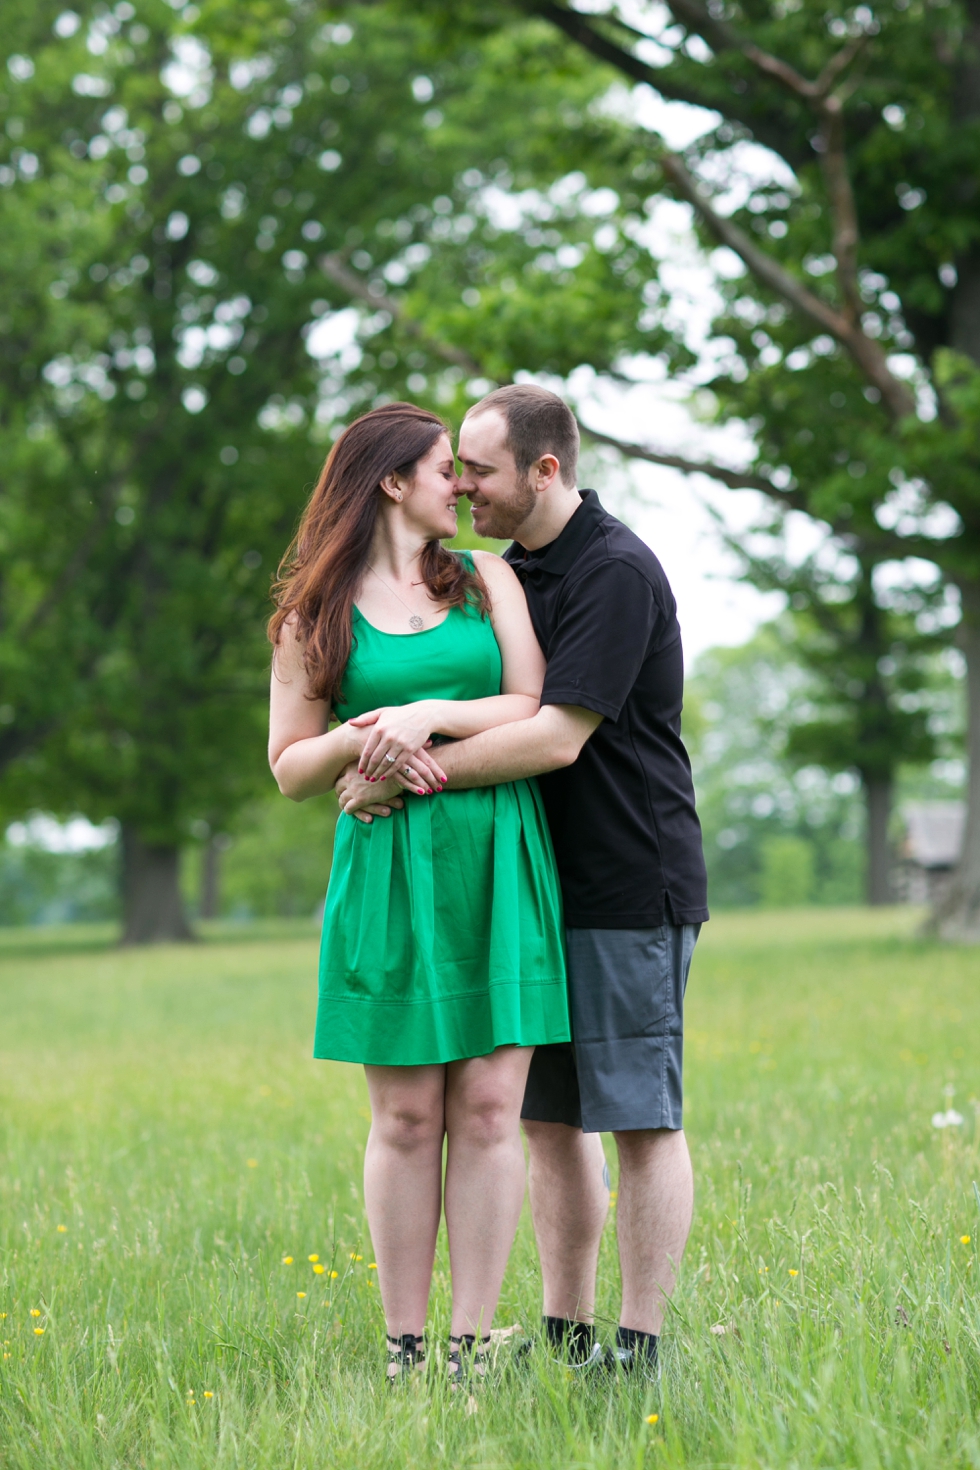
(506, 516)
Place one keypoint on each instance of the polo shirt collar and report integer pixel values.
(561, 554)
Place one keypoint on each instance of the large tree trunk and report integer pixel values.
(957, 915)
(153, 909)
(878, 799)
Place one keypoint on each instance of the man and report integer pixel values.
(617, 787)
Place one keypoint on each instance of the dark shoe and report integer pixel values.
(632, 1362)
(406, 1357)
(467, 1359)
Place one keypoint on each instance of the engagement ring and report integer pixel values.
(389, 758)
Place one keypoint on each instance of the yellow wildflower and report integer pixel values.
(287, 1260)
(964, 1240)
(35, 1311)
(653, 1418)
(313, 1258)
(792, 1272)
(62, 1229)
(319, 1270)
(372, 1265)
(333, 1275)
(208, 1394)
(252, 1163)
(301, 1294)
(39, 1332)
(356, 1258)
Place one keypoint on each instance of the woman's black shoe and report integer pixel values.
(406, 1356)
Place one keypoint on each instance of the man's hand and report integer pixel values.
(366, 800)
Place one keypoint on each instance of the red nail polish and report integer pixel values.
(421, 791)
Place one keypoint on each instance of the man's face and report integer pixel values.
(502, 499)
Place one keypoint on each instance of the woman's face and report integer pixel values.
(429, 506)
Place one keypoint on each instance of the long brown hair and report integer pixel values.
(322, 569)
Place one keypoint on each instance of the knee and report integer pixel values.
(485, 1121)
(408, 1128)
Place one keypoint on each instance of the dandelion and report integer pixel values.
(319, 1270)
(35, 1311)
(301, 1294)
(333, 1276)
(653, 1418)
(208, 1394)
(287, 1260)
(252, 1163)
(964, 1240)
(62, 1229)
(792, 1272)
(372, 1265)
(6, 1355)
(314, 1258)
(39, 1332)
(777, 1304)
(950, 1119)
(3, 1316)
(356, 1258)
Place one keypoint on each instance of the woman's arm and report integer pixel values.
(306, 757)
(401, 731)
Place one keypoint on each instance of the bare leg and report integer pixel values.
(484, 1178)
(653, 1220)
(569, 1204)
(403, 1186)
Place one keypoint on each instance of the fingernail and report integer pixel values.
(421, 791)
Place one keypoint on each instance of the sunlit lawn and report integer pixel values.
(167, 1141)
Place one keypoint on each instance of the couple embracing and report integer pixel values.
(497, 949)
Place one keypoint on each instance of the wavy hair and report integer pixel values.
(322, 569)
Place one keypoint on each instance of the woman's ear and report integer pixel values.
(391, 487)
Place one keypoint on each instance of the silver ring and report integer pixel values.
(390, 758)
(407, 770)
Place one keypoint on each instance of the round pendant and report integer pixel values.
(416, 622)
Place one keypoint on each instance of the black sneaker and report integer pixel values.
(631, 1363)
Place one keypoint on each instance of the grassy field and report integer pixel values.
(167, 1143)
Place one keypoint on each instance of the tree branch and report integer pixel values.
(734, 479)
(865, 351)
(775, 132)
(361, 290)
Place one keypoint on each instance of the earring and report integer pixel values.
(398, 496)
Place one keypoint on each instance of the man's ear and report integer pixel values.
(546, 470)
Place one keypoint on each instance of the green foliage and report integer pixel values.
(42, 887)
(787, 878)
(752, 796)
(278, 863)
(161, 416)
(136, 1089)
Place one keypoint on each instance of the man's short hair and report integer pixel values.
(538, 422)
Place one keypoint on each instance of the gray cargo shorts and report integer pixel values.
(623, 1068)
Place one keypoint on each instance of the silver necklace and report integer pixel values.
(414, 621)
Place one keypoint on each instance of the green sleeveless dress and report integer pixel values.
(442, 930)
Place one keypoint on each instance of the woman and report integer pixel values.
(441, 959)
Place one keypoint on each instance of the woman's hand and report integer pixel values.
(395, 736)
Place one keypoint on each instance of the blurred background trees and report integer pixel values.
(229, 228)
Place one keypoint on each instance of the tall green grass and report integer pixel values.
(167, 1142)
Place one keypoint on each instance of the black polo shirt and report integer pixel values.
(622, 818)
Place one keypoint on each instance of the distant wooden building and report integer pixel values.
(930, 849)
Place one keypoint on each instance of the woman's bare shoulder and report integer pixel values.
(494, 570)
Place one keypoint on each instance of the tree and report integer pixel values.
(871, 667)
(850, 268)
(174, 369)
